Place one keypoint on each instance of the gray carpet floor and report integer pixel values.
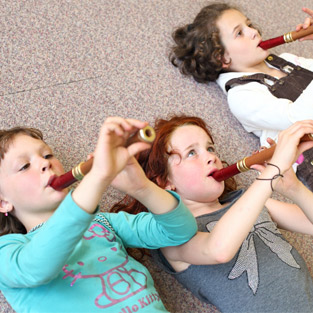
(66, 65)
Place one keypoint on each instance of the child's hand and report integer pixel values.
(119, 165)
(307, 22)
(260, 167)
(109, 159)
(286, 152)
(111, 156)
(288, 147)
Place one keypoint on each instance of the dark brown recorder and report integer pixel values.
(244, 164)
(286, 38)
(146, 134)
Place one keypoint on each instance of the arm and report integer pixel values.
(133, 181)
(290, 216)
(224, 241)
(227, 236)
(153, 231)
(298, 216)
(307, 22)
(36, 258)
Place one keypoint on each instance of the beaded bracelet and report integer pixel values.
(274, 177)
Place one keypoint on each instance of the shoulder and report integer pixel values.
(12, 240)
(225, 77)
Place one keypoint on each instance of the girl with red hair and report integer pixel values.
(238, 260)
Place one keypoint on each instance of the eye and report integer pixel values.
(250, 25)
(239, 33)
(191, 153)
(24, 167)
(48, 156)
(211, 149)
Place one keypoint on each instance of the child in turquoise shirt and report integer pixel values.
(58, 253)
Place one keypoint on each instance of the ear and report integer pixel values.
(168, 185)
(226, 60)
(225, 66)
(5, 206)
(172, 188)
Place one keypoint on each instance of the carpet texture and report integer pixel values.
(66, 65)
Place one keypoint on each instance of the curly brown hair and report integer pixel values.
(198, 50)
(10, 224)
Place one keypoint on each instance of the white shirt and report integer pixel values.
(262, 113)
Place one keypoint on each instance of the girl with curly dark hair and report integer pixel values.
(198, 49)
(265, 92)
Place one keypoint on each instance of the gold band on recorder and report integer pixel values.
(241, 165)
(77, 172)
(288, 37)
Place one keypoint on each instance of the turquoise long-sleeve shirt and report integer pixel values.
(76, 263)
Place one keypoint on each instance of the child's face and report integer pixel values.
(24, 175)
(241, 41)
(190, 171)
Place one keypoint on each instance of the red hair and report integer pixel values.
(155, 160)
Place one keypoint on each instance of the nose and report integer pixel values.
(46, 165)
(253, 32)
(210, 157)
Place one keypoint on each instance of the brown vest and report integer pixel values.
(289, 87)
